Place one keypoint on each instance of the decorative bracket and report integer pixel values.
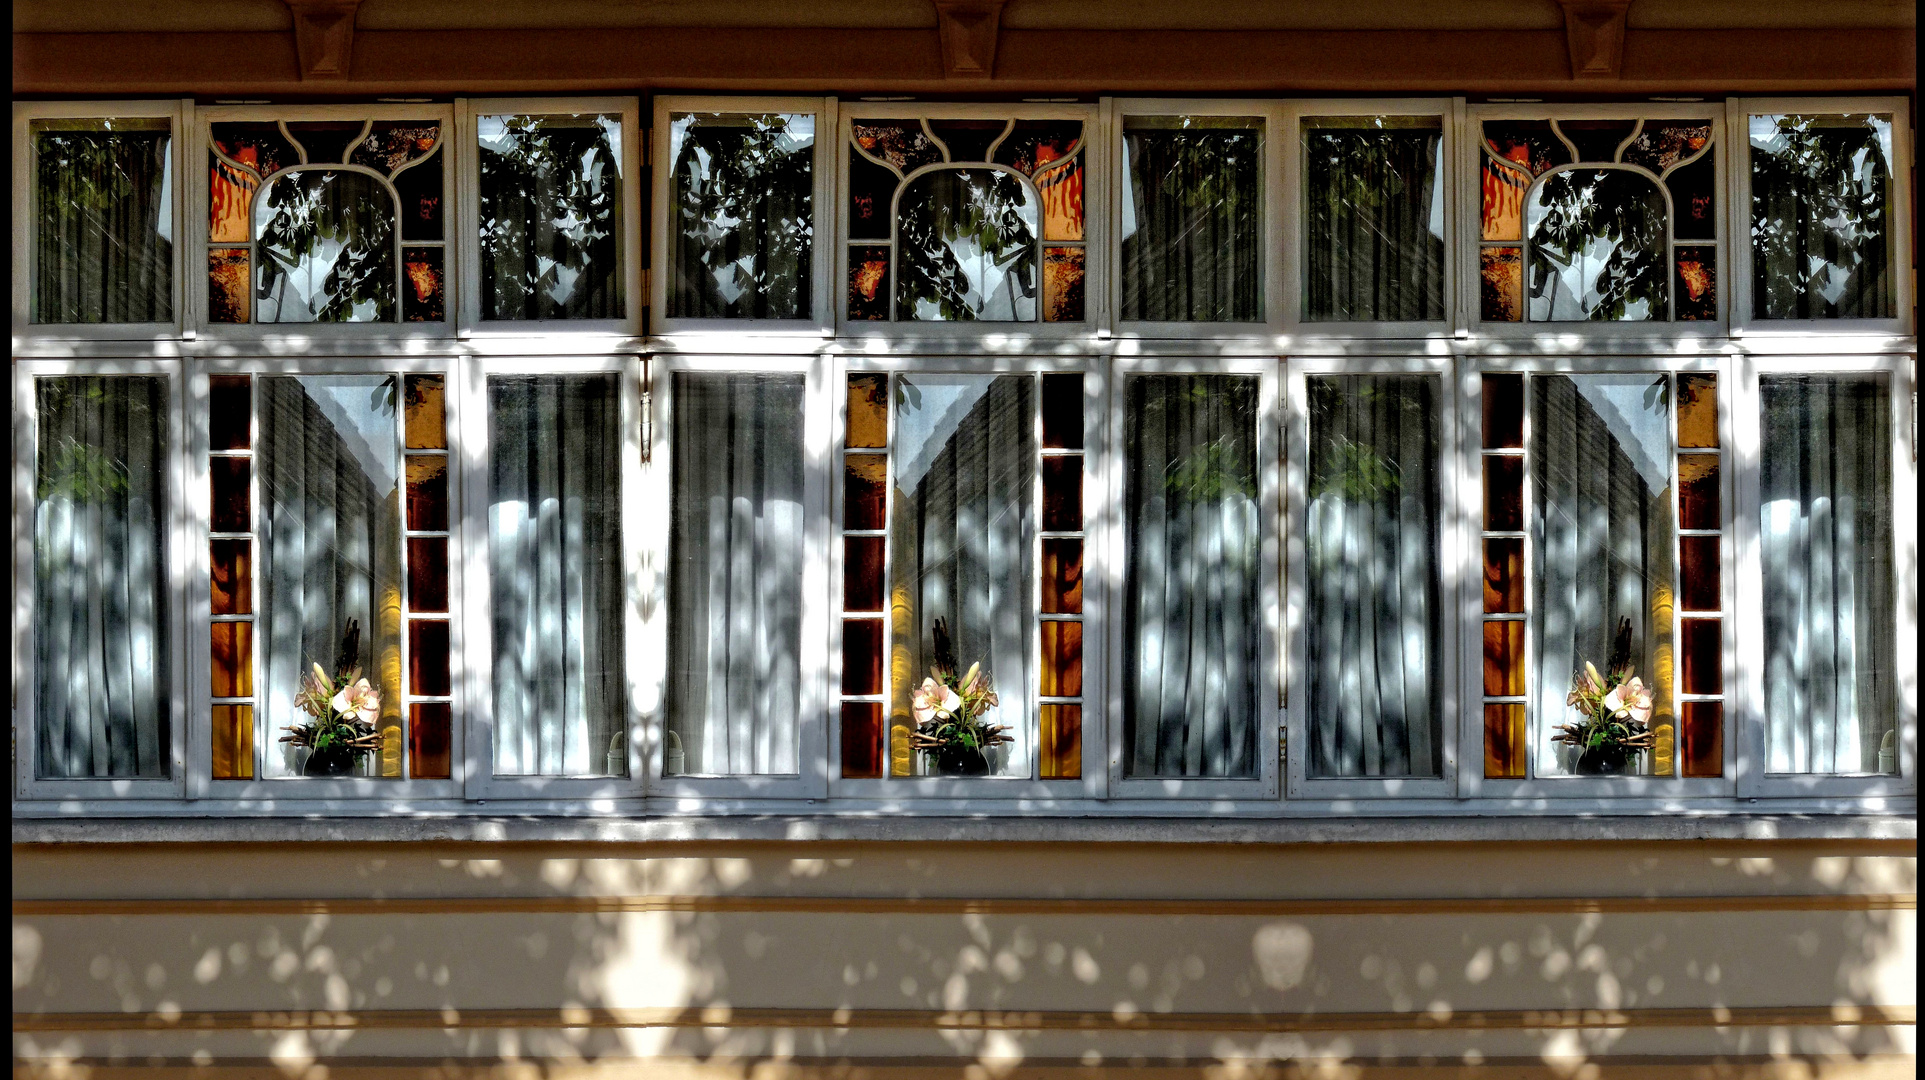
(323, 36)
(969, 29)
(1595, 32)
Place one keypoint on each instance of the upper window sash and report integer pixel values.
(1747, 253)
(524, 164)
(101, 307)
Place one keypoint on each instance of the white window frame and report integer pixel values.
(1449, 113)
(825, 167)
(1801, 334)
(26, 432)
(1748, 687)
(467, 161)
(306, 789)
(1450, 561)
(1003, 336)
(1271, 262)
(654, 522)
(1266, 785)
(1580, 334)
(294, 337)
(25, 226)
(474, 712)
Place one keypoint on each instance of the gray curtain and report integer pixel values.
(744, 189)
(1370, 543)
(1193, 225)
(103, 229)
(330, 536)
(1191, 628)
(550, 192)
(1821, 235)
(100, 584)
(555, 573)
(1602, 530)
(735, 577)
(1825, 491)
(961, 534)
(1373, 225)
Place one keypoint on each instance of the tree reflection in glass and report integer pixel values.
(742, 211)
(967, 247)
(103, 221)
(1820, 239)
(1373, 218)
(1192, 220)
(1598, 247)
(551, 225)
(327, 248)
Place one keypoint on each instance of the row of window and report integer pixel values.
(1175, 218)
(1214, 579)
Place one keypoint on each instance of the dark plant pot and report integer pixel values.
(960, 761)
(1604, 761)
(334, 761)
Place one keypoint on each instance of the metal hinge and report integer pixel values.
(648, 417)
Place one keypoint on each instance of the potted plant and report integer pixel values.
(344, 707)
(1615, 710)
(950, 731)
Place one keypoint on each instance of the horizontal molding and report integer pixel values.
(856, 905)
(972, 1020)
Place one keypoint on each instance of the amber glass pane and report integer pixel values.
(868, 411)
(1504, 575)
(1504, 658)
(1501, 284)
(233, 505)
(1503, 493)
(427, 574)
(1503, 412)
(1062, 742)
(1695, 286)
(1063, 412)
(428, 658)
(424, 288)
(1700, 584)
(230, 408)
(233, 659)
(1504, 742)
(864, 498)
(1703, 738)
(1062, 659)
(429, 723)
(1062, 577)
(228, 288)
(427, 492)
(1062, 494)
(861, 740)
(423, 415)
(868, 285)
(1698, 411)
(231, 566)
(1698, 506)
(1703, 646)
(862, 656)
(862, 573)
(1062, 284)
(233, 742)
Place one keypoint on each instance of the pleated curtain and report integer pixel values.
(103, 228)
(1820, 222)
(1373, 228)
(1192, 226)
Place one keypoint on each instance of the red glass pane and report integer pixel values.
(1695, 292)
(1503, 493)
(428, 658)
(1703, 738)
(862, 740)
(864, 492)
(1062, 577)
(233, 502)
(230, 563)
(862, 656)
(1504, 742)
(233, 659)
(1062, 494)
(868, 288)
(230, 410)
(1062, 659)
(427, 492)
(1702, 642)
(429, 725)
(1063, 412)
(427, 574)
(1698, 502)
(862, 561)
(1504, 658)
(1699, 587)
(1503, 412)
(1061, 737)
(423, 291)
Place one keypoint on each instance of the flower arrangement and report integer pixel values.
(344, 707)
(1616, 710)
(950, 730)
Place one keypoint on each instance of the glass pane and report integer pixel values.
(233, 750)
(869, 283)
(1695, 291)
(229, 288)
(555, 574)
(1504, 671)
(1504, 742)
(256, 145)
(1528, 144)
(862, 740)
(326, 140)
(550, 191)
(1504, 575)
(1063, 494)
(1700, 589)
(100, 594)
(735, 573)
(423, 296)
(429, 726)
(1061, 188)
(1062, 577)
(327, 248)
(1191, 634)
(392, 144)
(230, 412)
(1192, 219)
(966, 247)
(1063, 412)
(1703, 738)
(1501, 284)
(1503, 400)
(1821, 236)
(1597, 140)
(427, 574)
(1504, 186)
(421, 188)
(862, 562)
(862, 656)
(1371, 534)
(872, 190)
(1062, 284)
(865, 494)
(1598, 247)
(1698, 411)
(901, 144)
(1702, 643)
(962, 570)
(1662, 144)
(427, 492)
(103, 240)
(231, 563)
(868, 412)
(428, 658)
(1062, 659)
(1060, 744)
(1698, 500)
(232, 649)
(1603, 562)
(1373, 219)
(1503, 493)
(743, 224)
(1032, 144)
(1694, 200)
(232, 501)
(424, 414)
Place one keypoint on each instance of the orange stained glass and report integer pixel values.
(1503, 493)
(1702, 643)
(230, 408)
(1703, 738)
(427, 574)
(1698, 411)
(1061, 736)
(230, 565)
(862, 562)
(1062, 577)
(862, 740)
(864, 497)
(1699, 587)
(1504, 575)
(1503, 412)
(1504, 187)
(1062, 659)
(429, 726)
(428, 658)
(232, 658)
(1504, 658)
(424, 413)
(1504, 742)
(1063, 412)
(1698, 502)
(1062, 191)
(1062, 494)
(233, 742)
(1063, 284)
(233, 502)
(868, 412)
(862, 656)
(230, 194)
(229, 290)
(1501, 284)
(427, 492)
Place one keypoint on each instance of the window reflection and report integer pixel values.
(1192, 221)
(551, 216)
(1597, 247)
(1373, 219)
(1821, 242)
(968, 247)
(327, 248)
(743, 208)
(103, 221)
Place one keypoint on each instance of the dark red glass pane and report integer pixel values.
(1699, 587)
(1503, 412)
(862, 656)
(428, 657)
(1695, 293)
(862, 573)
(1703, 647)
(230, 412)
(1062, 494)
(1703, 738)
(1698, 502)
(429, 725)
(424, 291)
(862, 740)
(1063, 412)
(1503, 493)
(864, 493)
(233, 502)
(427, 574)
(427, 492)
(868, 286)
